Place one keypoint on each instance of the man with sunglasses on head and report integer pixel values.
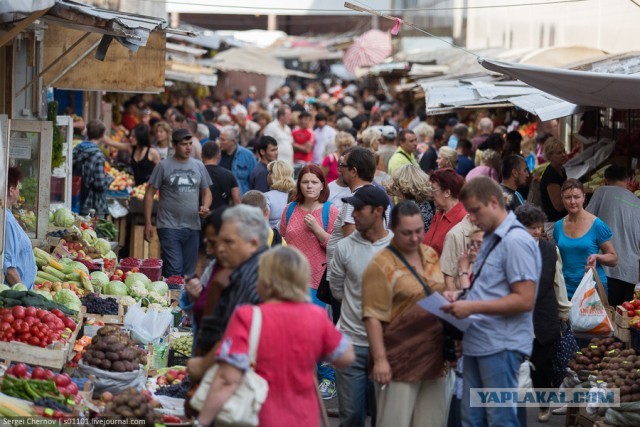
(183, 183)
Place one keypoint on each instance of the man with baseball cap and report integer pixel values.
(387, 144)
(352, 255)
(184, 197)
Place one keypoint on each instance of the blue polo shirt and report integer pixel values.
(515, 258)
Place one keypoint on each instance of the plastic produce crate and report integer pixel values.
(177, 359)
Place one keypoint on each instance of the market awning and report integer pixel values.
(190, 73)
(617, 86)
(449, 95)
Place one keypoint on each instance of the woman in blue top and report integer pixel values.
(584, 240)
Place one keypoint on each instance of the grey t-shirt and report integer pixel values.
(179, 184)
(619, 208)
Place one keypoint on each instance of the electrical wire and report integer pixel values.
(385, 10)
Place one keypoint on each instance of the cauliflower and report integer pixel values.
(127, 301)
(156, 307)
(156, 298)
(138, 290)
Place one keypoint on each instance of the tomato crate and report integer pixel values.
(622, 317)
(53, 357)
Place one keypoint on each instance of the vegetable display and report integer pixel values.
(69, 299)
(112, 350)
(178, 391)
(13, 298)
(34, 326)
(131, 404)
(62, 382)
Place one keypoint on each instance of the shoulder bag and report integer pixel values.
(243, 407)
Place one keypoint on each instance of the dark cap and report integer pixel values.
(180, 134)
(369, 195)
(452, 121)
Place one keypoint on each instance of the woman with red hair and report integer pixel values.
(306, 224)
(445, 186)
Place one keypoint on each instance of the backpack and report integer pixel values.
(326, 207)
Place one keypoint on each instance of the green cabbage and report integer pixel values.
(51, 217)
(158, 287)
(103, 246)
(137, 277)
(76, 265)
(99, 280)
(4, 287)
(63, 218)
(19, 287)
(44, 293)
(89, 236)
(69, 299)
(111, 255)
(115, 287)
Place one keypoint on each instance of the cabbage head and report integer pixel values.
(76, 265)
(99, 280)
(19, 287)
(158, 287)
(4, 287)
(89, 236)
(44, 293)
(103, 246)
(63, 218)
(69, 299)
(111, 255)
(137, 277)
(115, 287)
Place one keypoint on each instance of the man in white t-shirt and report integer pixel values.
(279, 130)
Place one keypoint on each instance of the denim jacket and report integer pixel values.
(242, 166)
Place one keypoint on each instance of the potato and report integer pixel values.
(118, 366)
(105, 364)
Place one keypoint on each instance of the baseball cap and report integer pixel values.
(389, 132)
(180, 134)
(369, 195)
(452, 121)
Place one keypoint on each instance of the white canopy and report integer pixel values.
(613, 87)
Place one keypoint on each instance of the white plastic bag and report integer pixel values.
(588, 316)
(147, 328)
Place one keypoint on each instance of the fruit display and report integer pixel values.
(182, 344)
(171, 376)
(64, 271)
(97, 305)
(112, 350)
(121, 180)
(178, 391)
(632, 309)
(140, 190)
(131, 404)
(175, 282)
(34, 326)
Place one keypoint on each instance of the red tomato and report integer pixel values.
(18, 312)
(39, 373)
(59, 314)
(171, 419)
(24, 328)
(34, 341)
(68, 323)
(5, 326)
(8, 317)
(41, 313)
(72, 388)
(30, 311)
(20, 370)
(48, 317)
(29, 320)
(62, 380)
(49, 374)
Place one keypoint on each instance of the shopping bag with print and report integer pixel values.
(588, 315)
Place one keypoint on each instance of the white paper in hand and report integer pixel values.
(433, 304)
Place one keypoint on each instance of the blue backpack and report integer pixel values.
(326, 208)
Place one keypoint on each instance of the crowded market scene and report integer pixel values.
(393, 214)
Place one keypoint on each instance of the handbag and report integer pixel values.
(565, 349)
(243, 407)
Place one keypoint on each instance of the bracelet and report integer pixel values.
(463, 273)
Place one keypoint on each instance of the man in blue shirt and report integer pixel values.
(19, 263)
(236, 158)
(465, 162)
(502, 294)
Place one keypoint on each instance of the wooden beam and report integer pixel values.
(9, 35)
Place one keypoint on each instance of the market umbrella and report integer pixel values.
(371, 48)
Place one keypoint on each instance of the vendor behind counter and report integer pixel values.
(19, 263)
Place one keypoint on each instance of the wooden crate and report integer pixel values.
(140, 248)
(621, 317)
(54, 358)
(623, 334)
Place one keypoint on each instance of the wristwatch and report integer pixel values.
(463, 273)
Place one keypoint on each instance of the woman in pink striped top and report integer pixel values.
(306, 223)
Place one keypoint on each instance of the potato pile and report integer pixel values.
(616, 367)
(112, 350)
(591, 357)
(132, 404)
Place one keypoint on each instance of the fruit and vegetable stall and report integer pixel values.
(96, 337)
